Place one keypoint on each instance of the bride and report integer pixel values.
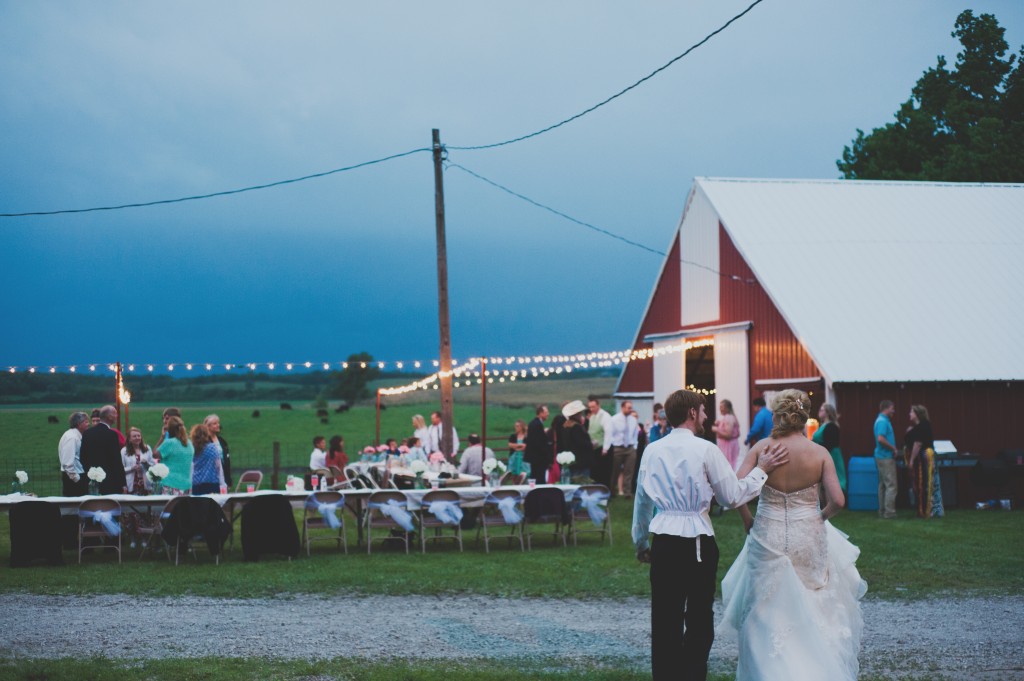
(793, 593)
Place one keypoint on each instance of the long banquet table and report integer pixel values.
(355, 499)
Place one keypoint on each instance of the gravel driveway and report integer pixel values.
(961, 638)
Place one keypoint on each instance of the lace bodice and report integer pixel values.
(791, 524)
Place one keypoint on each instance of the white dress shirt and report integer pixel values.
(679, 475)
(317, 459)
(625, 431)
(68, 451)
(433, 443)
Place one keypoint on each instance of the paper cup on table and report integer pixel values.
(435, 483)
(250, 488)
(223, 489)
(533, 483)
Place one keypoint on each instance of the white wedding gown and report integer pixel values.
(793, 594)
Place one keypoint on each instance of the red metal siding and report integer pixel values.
(662, 316)
(774, 350)
(978, 417)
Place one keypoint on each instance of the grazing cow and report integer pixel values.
(255, 413)
(52, 419)
(322, 413)
(342, 408)
(285, 406)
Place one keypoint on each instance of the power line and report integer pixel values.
(618, 94)
(214, 194)
(613, 235)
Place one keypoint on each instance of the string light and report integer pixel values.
(538, 365)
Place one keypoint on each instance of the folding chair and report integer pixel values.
(440, 509)
(324, 511)
(156, 530)
(36, 530)
(192, 518)
(254, 477)
(590, 513)
(512, 479)
(387, 509)
(99, 518)
(341, 480)
(546, 506)
(268, 526)
(502, 508)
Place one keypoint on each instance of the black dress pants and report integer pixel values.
(69, 488)
(682, 596)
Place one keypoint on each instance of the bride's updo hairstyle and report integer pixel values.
(790, 411)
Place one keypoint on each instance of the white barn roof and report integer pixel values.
(887, 281)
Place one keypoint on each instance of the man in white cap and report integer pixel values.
(573, 437)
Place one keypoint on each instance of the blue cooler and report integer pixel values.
(862, 484)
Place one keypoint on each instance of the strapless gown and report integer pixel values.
(793, 594)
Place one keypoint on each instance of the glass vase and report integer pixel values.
(566, 478)
(495, 479)
(94, 488)
(419, 481)
(16, 487)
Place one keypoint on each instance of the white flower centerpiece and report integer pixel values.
(96, 476)
(494, 470)
(20, 478)
(565, 461)
(156, 474)
(418, 467)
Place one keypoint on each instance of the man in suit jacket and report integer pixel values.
(102, 449)
(538, 451)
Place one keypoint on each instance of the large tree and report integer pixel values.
(350, 383)
(959, 125)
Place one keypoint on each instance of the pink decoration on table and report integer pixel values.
(437, 457)
(368, 449)
(402, 449)
(382, 448)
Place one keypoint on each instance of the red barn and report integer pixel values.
(855, 291)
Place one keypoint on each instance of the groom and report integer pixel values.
(678, 476)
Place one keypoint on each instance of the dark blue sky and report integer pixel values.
(123, 102)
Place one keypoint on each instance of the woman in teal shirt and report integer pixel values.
(176, 452)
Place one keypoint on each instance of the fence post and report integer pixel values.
(277, 465)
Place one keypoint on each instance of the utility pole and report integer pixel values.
(447, 406)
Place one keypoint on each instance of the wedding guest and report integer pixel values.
(176, 452)
(599, 426)
(416, 451)
(919, 447)
(727, 432)
(885, 449)
(318, 457)
(102, 449)
(575, 438)
(213, 423)
(762, 425)
(136, 458)
(392, 447)
(167, 414)
(827, 435)
(207, 469)
(473, 457)
(420, 430)
(624, 439)
(538, 448)
(336, 457)
(516, 446)
(660, 427)
(435, 433)
(72, 475)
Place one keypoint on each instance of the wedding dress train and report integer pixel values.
(793, 594)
